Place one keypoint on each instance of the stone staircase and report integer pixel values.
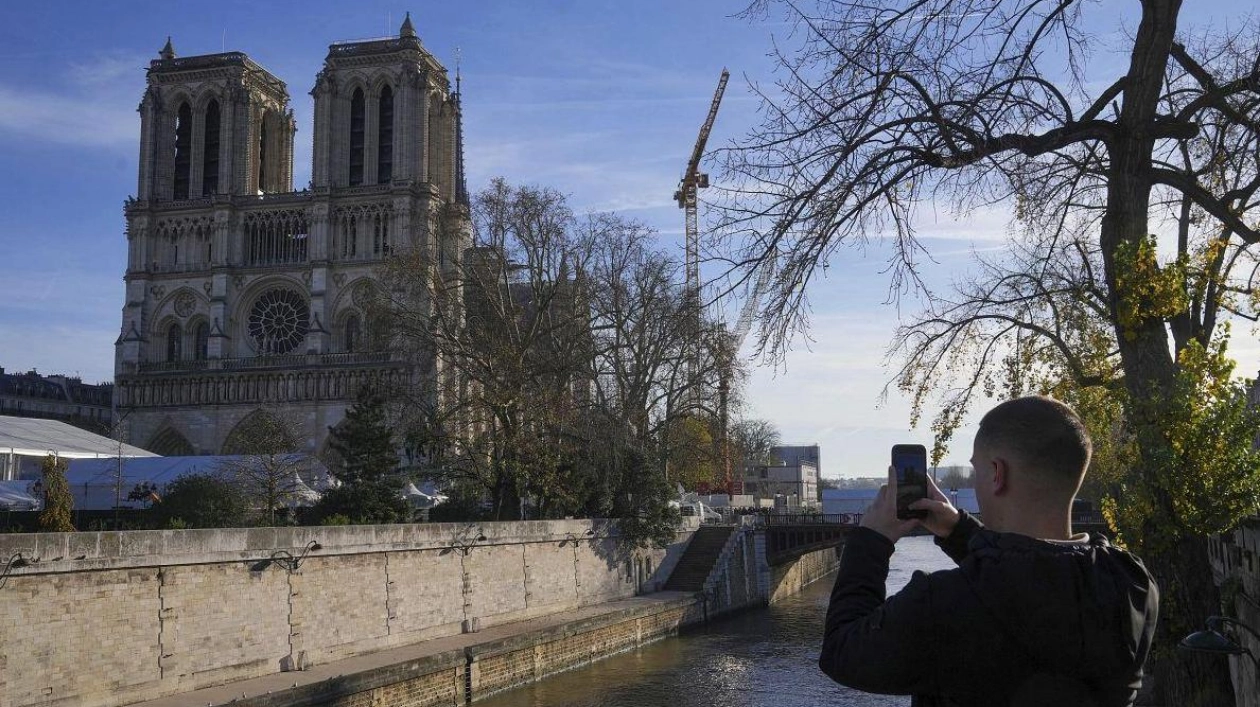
(698, 559)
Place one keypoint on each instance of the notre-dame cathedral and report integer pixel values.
(245, 296)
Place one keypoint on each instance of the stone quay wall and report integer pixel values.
(1236, 568)
(467, 675)
(111, 618)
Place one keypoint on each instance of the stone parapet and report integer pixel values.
(112, 618)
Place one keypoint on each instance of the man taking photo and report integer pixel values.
(1033, 614)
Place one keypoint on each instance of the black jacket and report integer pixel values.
(1019, 622)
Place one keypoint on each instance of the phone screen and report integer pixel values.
(910, 462)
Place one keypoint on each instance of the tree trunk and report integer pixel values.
(1187, 597)
(1179, 564)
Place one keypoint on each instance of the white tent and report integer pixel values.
(25, 441)
(427, 498)
(97, 484)
(16, 496)
(416, 497)
(302, 494)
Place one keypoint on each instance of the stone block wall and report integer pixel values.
(789, 578)
(1236, 569)
(110, 618)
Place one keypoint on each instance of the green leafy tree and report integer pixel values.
(366, 465)
(201, 501)
(55, 518)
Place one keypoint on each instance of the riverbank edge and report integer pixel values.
(457, 670)
(462, 669)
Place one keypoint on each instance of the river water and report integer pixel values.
(761, 658)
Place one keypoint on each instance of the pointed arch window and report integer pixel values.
(263, 134)
(353, 337)
(174, 342)
(349, 237)
(210, 159)
(357, 120)
(380, 234)
(385, 137)
(201, 345)
(183, 150)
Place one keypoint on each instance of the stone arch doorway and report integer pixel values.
(169, 442)
(261, 432)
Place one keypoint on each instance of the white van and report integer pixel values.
(697, 508)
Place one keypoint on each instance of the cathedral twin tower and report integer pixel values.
(246, 298)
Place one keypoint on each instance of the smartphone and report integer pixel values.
(910, 462)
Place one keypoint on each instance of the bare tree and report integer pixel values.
(754, 438)
(265, 464)
(652, 379)
(508, 327)
(889, 107)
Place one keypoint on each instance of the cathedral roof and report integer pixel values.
(171, 66)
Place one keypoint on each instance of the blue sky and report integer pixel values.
(599, 99)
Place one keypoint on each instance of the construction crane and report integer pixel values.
(692, 181)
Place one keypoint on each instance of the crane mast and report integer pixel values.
(692, 180)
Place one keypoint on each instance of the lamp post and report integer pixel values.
(1214, 640)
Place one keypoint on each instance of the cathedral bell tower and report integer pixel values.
(385, 113)
(213, 124)
(247, 299)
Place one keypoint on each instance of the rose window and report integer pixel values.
(279, 321)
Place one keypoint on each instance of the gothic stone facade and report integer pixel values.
(246, 297)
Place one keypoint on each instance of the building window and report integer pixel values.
(276, 237)
(354, 335)
(380, 234)
(202, 345)
(279, 321)
(183, 150)
(349, 237)
(174, 343)
(385, 137)
(357, 119)
(262, 153)
(210, 159)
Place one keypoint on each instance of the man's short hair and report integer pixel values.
(1041, 433)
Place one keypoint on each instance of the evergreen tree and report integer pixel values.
(371, 487)
(57, 502)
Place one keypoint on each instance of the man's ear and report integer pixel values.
(1001, 476)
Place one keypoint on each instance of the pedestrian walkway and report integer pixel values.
(275, 685)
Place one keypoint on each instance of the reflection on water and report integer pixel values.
(762, 658)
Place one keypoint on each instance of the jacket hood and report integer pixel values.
(1081, 609)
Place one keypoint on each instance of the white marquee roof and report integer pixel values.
(30, 436)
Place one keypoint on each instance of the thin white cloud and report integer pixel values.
(96, 107)
(65, 119)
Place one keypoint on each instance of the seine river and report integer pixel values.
(762, 658)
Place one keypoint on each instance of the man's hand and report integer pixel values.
(882, 515)
(942, 516)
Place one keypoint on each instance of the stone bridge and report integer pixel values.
(789, 536)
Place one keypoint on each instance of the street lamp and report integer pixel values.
(1214, 640)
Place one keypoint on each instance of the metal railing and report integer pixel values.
(781, 519)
